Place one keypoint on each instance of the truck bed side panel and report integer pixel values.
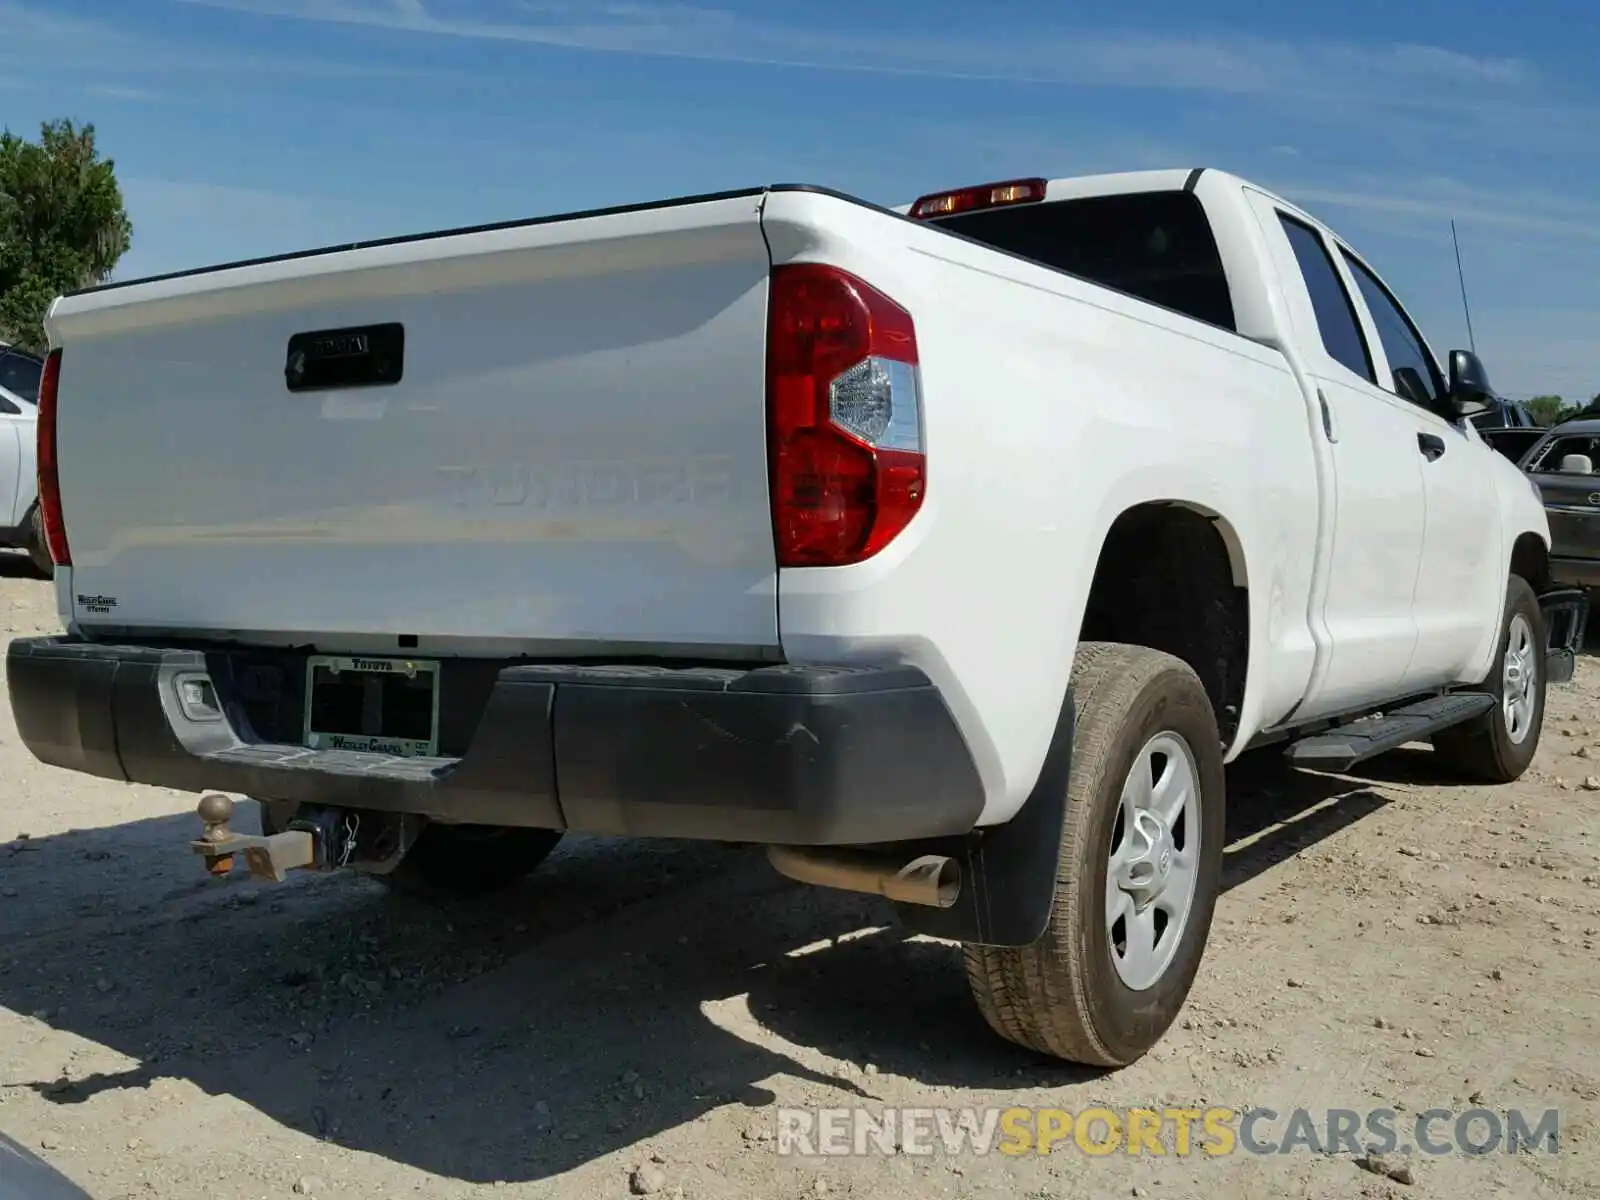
(1051, 406)
(573, 460)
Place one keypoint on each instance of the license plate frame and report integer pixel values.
(368, 724)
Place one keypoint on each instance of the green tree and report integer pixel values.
(1547, 410)
(62, 224)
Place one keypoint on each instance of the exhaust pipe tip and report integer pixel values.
(929, 880)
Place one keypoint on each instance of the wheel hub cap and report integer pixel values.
(1147, 864)
(1154, 858)
(1519, 680)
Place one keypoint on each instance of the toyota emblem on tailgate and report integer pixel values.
(1594, 497)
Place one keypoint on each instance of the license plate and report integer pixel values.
(375, 705)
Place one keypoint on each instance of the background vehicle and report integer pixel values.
(1504, 414)
(1563, 464)
(20, 526)
(19, 372)
(950, 554)
(1513, 442)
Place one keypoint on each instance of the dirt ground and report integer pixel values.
(631, 1016)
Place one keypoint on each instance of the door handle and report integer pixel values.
(1328, 430)
(1431, 445)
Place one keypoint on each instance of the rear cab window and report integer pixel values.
(1157, 246)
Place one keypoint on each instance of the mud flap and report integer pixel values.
(1008, 872)
(1566, 620)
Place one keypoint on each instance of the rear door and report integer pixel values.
(1365, 610)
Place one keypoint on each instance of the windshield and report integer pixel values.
(19, 374)
(1157, 246)
(1573, 454)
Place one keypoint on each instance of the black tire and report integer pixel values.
(470, 860)
(38, 549)
(1063, 996)
(1488, 749)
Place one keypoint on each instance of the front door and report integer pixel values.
(1461, 586)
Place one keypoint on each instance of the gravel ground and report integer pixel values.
(630, 1017)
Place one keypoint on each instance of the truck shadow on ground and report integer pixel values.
(624, 990)
(15, 564)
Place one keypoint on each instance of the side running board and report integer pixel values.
(1342, 748)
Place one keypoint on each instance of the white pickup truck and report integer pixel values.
(947, 552)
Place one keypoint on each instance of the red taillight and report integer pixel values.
(55, 529)
(972, 199)
(844, 418)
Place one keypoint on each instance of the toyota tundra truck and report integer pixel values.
(947, 553)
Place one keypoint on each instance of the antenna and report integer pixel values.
(1472, 342)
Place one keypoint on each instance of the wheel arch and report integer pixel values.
(1172, 575)
(1530, 558)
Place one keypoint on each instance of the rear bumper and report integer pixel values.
(800, 755)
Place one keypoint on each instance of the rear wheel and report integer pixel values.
(470, 860)
(1498, 746)
(1141, 865)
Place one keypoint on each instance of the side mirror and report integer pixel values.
(1470, 391)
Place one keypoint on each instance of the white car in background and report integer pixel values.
(19, 415)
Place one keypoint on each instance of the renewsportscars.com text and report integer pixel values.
(1213, 1132)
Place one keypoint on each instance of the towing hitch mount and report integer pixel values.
(317, 838)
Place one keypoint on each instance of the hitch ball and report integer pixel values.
(216, 810)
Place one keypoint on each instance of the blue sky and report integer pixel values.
(245, 127)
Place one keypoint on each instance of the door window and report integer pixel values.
(1414, 375)
(1336, 315)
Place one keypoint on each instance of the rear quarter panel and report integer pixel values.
(1051, 407)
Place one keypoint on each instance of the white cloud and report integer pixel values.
(45, 44)
(1441, 201)
(1425, 76)
(1532, 352)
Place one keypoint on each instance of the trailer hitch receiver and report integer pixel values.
(268, 858)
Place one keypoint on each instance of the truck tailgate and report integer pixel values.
(573, 457)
